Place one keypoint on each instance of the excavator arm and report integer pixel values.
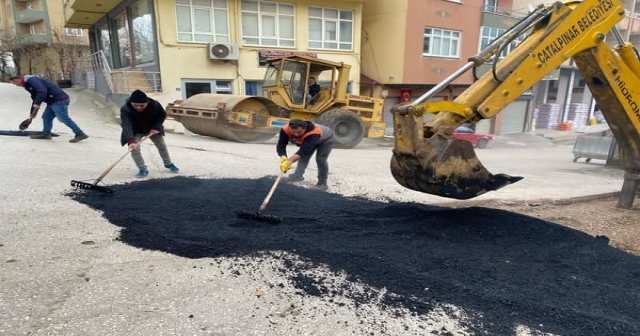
(427, 158)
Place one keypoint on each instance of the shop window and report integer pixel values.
(143, 33)
(121, 29)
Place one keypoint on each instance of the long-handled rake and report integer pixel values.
(258, 216)
(94, 186)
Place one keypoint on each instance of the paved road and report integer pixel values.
(64, 272)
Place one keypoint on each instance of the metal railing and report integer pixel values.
(118, 81)
(97, 62)
(126, 81)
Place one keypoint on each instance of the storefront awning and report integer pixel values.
(85, 13)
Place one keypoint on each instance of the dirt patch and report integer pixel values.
(595, 217)
(502, 268)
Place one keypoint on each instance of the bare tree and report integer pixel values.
(18, 56)
(69, 49)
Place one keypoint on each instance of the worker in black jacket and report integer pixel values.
(142, 116)
(310, 138)
(43, 91)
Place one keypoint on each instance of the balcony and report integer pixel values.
(34, 39)
(85, 13)
(497, 17)
(30, 15)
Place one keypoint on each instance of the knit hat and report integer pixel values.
(138, 97)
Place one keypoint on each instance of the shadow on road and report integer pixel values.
(502, 268)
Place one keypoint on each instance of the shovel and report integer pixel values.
(25, 123)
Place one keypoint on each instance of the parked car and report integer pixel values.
(478, 140)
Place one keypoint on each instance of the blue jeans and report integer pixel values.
(58, 110)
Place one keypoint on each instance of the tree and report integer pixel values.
(69, 49)
(15, 56)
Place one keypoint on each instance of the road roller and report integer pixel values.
(286, 95)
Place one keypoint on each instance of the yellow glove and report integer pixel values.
(285, 164)
(283, 159)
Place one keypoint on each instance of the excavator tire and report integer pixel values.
(348, 127)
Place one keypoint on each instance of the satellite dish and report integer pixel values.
(220, 51)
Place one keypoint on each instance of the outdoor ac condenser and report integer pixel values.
(223, 52)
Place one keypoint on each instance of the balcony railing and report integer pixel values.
(502, 11)
(34, 39)
(30, 15)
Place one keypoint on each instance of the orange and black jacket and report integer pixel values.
(308, 142)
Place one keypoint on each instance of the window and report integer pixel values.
(488, 34)
(254, 88)
(143, 34)
(202, 20)
(191, 87)
(490, 6)
(122, 41)
(268, 23)
(330, 28)
(105, 43)
(441, 42)
(73, 32)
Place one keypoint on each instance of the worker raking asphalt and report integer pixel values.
(502, 269)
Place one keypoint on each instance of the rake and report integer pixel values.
(259, 216)
(104, 189)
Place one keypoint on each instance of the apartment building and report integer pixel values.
(409, 46)
(33, 32)
(183, 47)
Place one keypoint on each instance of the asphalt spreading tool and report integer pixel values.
(25, 123)
(94, 186)
(259, 216)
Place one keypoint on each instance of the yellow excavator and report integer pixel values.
(428, 159)
(286, 95)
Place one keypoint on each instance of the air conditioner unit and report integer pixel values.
(223, 51)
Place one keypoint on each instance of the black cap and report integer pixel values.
(297, 123)
(138, 97)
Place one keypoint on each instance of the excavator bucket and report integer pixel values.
(439, 165)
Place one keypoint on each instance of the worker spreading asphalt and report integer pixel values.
(500, 268)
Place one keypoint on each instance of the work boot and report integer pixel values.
(293, 179)
(79, 137)
(322, 186)
(43, 136)
(172, 168)
(142, 173)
